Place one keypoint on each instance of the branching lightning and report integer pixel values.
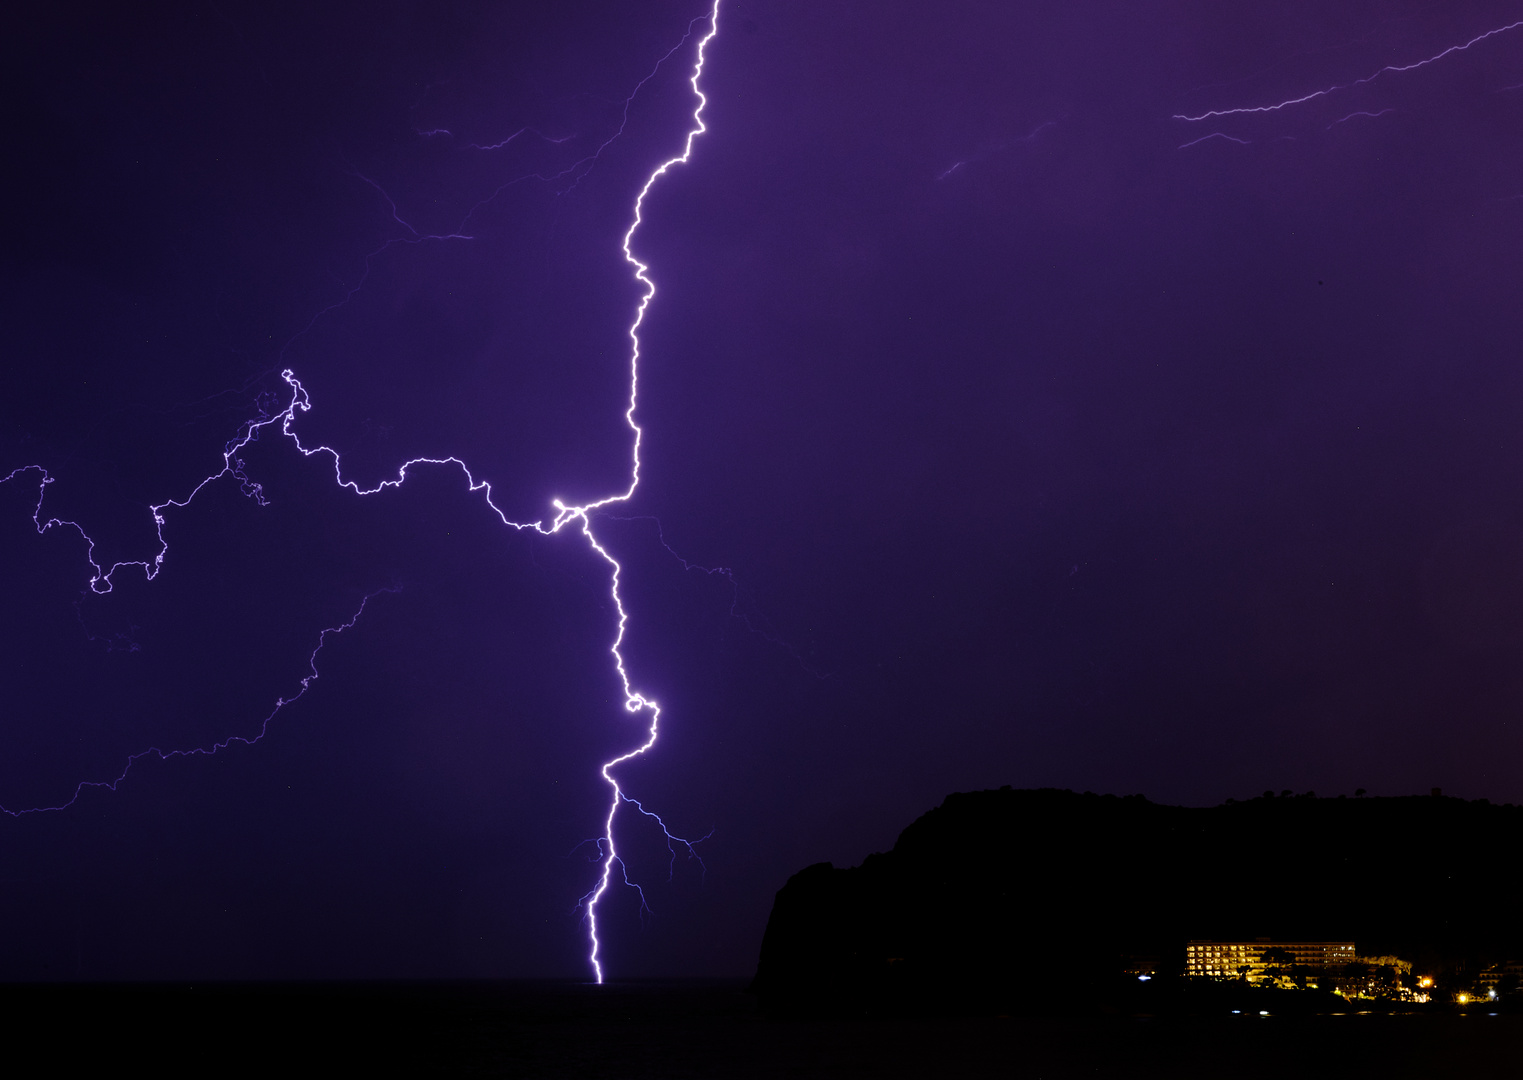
(284, 423)
(751, 619)
(207, 751)
(996, 148)
(583, 165)
(1214, 135)
(1391, 69)
(1356, 115)
(634, 702)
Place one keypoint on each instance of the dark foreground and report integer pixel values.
(681, 1030)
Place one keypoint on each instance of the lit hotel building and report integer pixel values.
(1223, 959)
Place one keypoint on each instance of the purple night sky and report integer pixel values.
(1047, 438)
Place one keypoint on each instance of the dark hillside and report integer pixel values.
(1005, 897)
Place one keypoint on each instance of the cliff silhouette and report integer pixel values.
(1014, 898)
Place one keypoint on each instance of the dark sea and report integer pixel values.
(700, 1030)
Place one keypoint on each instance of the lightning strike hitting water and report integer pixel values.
(634, 702)
(1389, 68)
(284, 420)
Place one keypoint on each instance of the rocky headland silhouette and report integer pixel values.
(1021, 899)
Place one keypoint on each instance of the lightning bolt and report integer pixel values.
(1355, 115)
(211, 749)
(1391, 69)
(634, 702)
(578, 518)
(1213, 135)
(743, 612)
(984, 154)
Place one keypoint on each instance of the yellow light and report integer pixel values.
(1463, 998)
